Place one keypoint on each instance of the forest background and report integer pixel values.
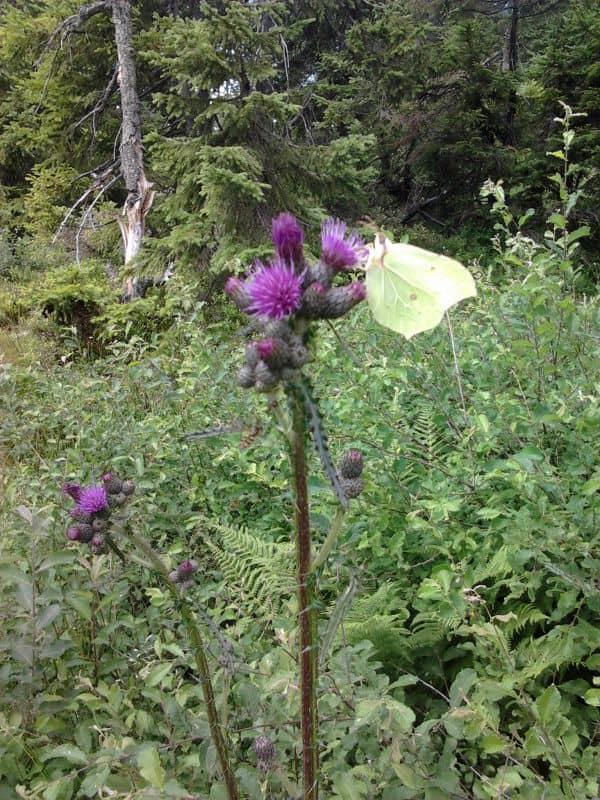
(465, 662)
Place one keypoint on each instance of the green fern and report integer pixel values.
(364, 621)
(257, 572)
(562, 647)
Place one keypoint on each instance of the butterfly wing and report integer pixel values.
(409, 289)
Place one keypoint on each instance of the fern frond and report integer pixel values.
(257, 572)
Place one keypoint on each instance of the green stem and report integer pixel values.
(195, 638)
(328, 544)
(307, 618)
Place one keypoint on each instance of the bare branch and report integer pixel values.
(72, 23)
(88, 211)
(101, 104)
(99, 181)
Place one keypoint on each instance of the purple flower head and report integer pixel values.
(93, 499)
(288, 239)
(73, 490)
(338, 249)
(275, 291)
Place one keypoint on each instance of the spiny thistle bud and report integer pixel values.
(98, 524)
(73, 533)
(265, 752)
(314, 301)
(128, 488)
(288, 239)
(112, 484)
(280, 329)
(183, 575)
(339, 300)
(98, 545)
(266, 379)
(119, 499)
(274, 352)
(298, 356)
(237, 290)
(79, 514)
(321, 273)
(351, 464)
(86, 533)
(352, 486)
(186, 569)
(252, 356)
(245, 377)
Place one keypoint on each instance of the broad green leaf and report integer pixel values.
(409, 289)
(150, 768)
(67, 751)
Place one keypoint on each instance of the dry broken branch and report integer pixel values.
(72, 23)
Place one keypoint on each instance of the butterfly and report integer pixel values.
(409, 289)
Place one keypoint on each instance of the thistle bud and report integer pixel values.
(314, 301)
(265, 752)
(186, 569)
(245, 377)
(98, 524)
(73, 533)
(120, 499)
(112, 484)
(322, 273)
(86, 533)
(351, 464)
(236, 289)
(339, 300)
(274, 352)
(128, 488)
(252, 355)
(352, 486)
(280, 329)
(98, 545)
(266, 379)
(79, 514)
(298, 356)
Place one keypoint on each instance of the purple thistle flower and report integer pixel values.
(93, 499)
(275, 291)
(288, 239)
(73, 490)
(338, 249)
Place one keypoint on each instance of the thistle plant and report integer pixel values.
(285, 299)
(98, 519)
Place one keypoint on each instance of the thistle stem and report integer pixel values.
(195, 638)
(307, 620)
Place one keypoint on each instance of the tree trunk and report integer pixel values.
(510, 58)
(139, 190)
